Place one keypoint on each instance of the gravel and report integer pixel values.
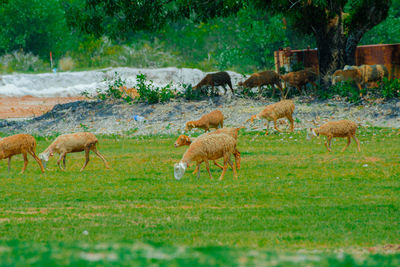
(116, 117)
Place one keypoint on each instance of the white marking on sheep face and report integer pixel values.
(179, 170)
(44, 157)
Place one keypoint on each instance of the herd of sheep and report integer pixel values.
(221, 143)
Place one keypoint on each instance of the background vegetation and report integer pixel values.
(243, 42)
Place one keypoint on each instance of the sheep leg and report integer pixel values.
(230, 86)
(216, 164)
(290, 118)
(87, 150)
(234, 168)
(280, 89)
(59, 160)
(9, 164)
(197, 169)
(358, 142)
(236, 153)
(64, 159)
(94, 149)
(224, 169)
(328, 143)
(32, 153)
(348, 143)
(276, 128)
(208, 169)
(25, 161)
(266, 131)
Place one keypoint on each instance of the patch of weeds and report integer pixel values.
(84, 127)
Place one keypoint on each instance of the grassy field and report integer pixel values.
(291, 195)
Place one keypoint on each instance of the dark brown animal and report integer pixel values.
(19, 144)
(215, 79)
(259, 79)
(300, 78)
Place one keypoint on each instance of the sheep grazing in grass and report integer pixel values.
(69, 143)
(300, 78)
(19, 144)
(259, 79)
(370, 74)
(342, 128)
(214, 119)
(273, 112)
(208, 147)
(184, 140)
(353, 75)
(215, 79)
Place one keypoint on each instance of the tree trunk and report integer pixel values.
(331, 43)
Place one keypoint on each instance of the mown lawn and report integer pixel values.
(291, 194)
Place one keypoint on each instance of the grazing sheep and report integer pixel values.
(69, 143)
(208, 147)
(184, 140)
(353, 75)
(370, 74)
(259, 79)
(273, 112)
(19, 144)
(299, 79)
(214, 119)
(215, 79)
(342, 128)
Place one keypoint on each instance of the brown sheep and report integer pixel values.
(342, 128)
(214, 119)
(353, 75)
(370, 74)
(273, 112)
(184, 140)
(215, 79)
(259, 79)
(69, 143)
(300, 78)
(208, 147)
(19, 144)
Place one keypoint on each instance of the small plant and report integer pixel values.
(152, 94)
(390, 88)
(190, 94)
(349, 90)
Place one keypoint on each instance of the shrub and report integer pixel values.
(24, 62)
(152, 94)
(390, 88)
(347, 89)
(66, 63)
(190, 94)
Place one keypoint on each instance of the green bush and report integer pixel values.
(190, 94)
(390, 88)
(348, 90)
(152, 94)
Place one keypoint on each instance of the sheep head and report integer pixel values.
(311, 133)
(183, 140)
(189, 126)
(179, 170)
(44, 157)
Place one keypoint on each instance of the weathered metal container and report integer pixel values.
(386, 54)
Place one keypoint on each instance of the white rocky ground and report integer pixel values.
(69, 84)
(117, 117)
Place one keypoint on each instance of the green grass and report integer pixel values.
(291, 194)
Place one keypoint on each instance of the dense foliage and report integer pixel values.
(210, 35)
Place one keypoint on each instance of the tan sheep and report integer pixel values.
(259, 79)
(19, 144)
(70, 143)
(184, 140)
(353, 75)
(370, 74)
(342, 128)
(300, 79)
(273, 112)
(205, 148)
(214, 119)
